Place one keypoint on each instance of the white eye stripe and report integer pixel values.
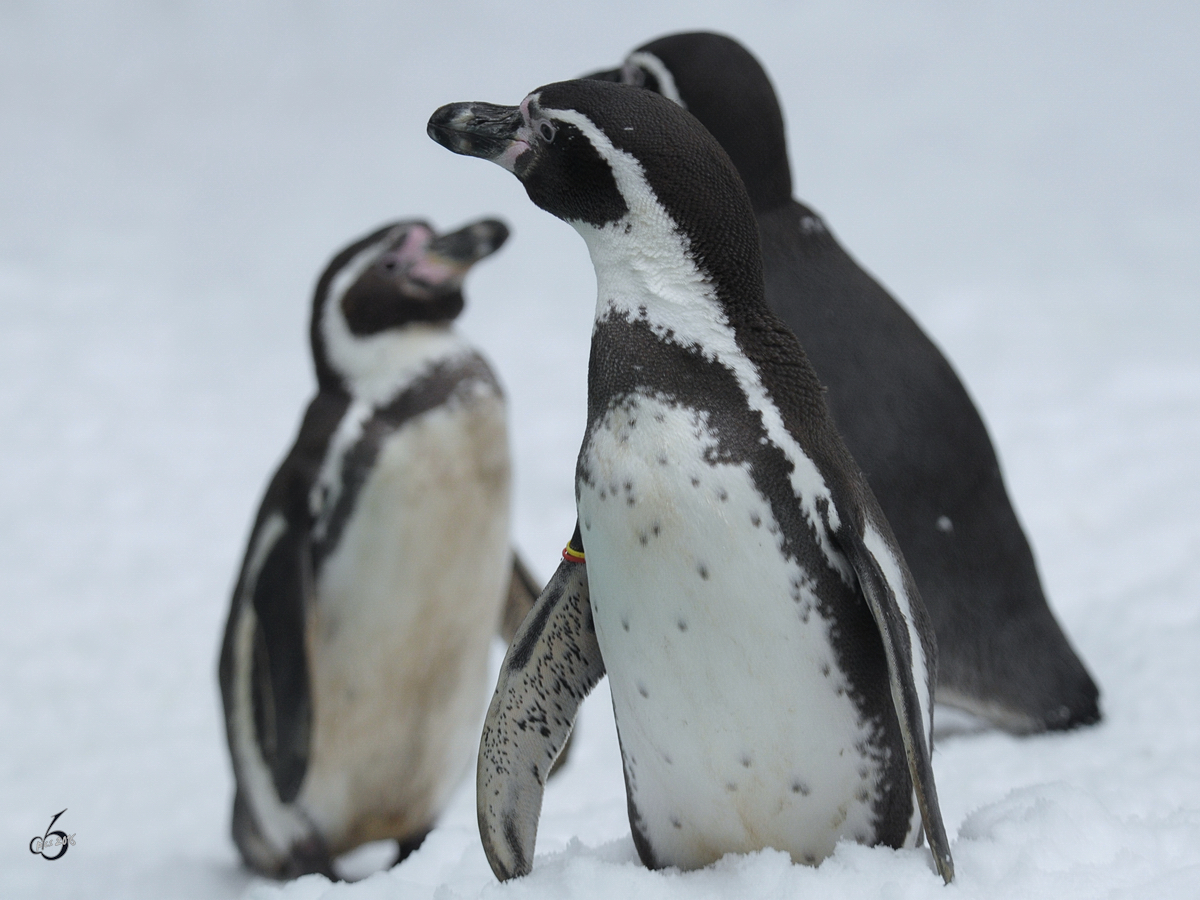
(656, 67)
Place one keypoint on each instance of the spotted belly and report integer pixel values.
(737, 727)
(398, 641)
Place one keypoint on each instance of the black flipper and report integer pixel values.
(263, 668)
(280, 684)
(892, 597)
(552, 663)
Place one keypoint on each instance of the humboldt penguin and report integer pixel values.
(770, 662)
(354, 664)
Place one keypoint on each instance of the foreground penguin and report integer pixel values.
(354, 666)
(901, 409)
(769, 658)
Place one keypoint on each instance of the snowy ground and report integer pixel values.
(173, 176)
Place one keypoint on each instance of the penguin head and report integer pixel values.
(401, 274)
(627, 167)
(721, 83)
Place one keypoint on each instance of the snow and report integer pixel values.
(1023, 175)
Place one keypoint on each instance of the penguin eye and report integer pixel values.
(547, 131)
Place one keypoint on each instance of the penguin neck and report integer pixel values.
(645, 273)
(646, 270)
(374, 368)
(640, 279)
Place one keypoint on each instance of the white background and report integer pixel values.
(173, 176)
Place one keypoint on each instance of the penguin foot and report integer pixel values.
(309, 857)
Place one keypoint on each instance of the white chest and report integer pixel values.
(406, 607)
(734, 720)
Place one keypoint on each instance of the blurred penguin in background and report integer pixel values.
(354, 669)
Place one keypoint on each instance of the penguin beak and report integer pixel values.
(485, 130)
(448, 257)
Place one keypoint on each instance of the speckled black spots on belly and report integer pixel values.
(801, 788)
(733, 434)
(644, 535)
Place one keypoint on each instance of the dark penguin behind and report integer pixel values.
(902, 410)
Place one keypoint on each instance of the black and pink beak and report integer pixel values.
(497, 133)
(439, 263)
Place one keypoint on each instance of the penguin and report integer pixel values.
(901, 409)
(353, 670)
(770, 662)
